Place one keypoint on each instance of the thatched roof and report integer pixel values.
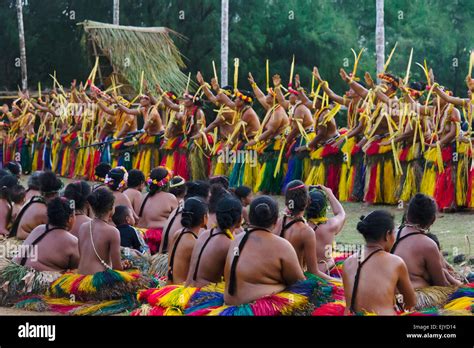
(131, 50)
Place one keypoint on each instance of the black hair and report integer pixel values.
(217, 193)
(17, 194)
(49, 183)
(102, 201)
(198, 188)
(6, 185)
(296, 196)
(102, 169)
(177, 186)
(120, 215)
(220, 179)
(34, 180)
(318, 204)
(421, 210)
(375, 226)
(3, 173)
(193, 212)
(242, 192)
(229, 212)
(115, 177)
(59, 210)
(78, 192)
(263, 212)
(14, 168)
(158, 174)
(135, 178)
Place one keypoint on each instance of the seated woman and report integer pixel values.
(371, 278)
(218, 191)
(100, 173)
(197, 188)
(210, 252)
(6, 205)
(156, 207)
(326, 229)
(178, 187)
(55, 249)
(194, 218)
(135, 185)
(34, 212)
(78, 193)
(116, 180)
(259, 263)
(421, 254)
(245, 195)
(293, 227)
(99, 242)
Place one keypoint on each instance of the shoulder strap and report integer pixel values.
(356, 280)
(233, 267)
(284, 227)
(168, 229)
(402, 238)
(143, 205)
(16, 224)
(196, 269)
(37, 240)
(173, 252)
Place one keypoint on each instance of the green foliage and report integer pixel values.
(318, 32)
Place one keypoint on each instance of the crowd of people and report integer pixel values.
(205, 232)
(399, 137)
(195, 198)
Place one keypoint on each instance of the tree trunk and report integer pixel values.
(224, 41)
(21, 33)
(380, 36)
(116, 12)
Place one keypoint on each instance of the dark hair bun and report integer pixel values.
(59, 210)
(101, 200)
(193, 212)
(375, 225)
(263, 211)
(229, 212)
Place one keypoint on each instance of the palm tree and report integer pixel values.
(116, 12)
(21, 33)
(224, 41)
(380, 35)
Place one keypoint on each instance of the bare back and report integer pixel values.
(106, 239)
(56, 251)
(266, 265)
(157, 209)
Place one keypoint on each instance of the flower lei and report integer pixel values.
(162, 182)
(108, 180)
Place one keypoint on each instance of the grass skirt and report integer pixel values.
(148, 156)
(159, 265)
(267, 181)
(17, 281)
(298, 299)
(381, 181)
(410, 180)
(433, 296)
(106, 285)
(153, 239)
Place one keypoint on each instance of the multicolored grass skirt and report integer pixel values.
(103, 293)
(299, 299)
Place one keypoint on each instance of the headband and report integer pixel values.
(296, 187)
(162, 182)
(245, 98)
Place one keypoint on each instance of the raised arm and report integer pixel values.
(166, 101)
(333, 96)
(338, 220)
(279, 94)
(258, 93)
(210, 96)
(104, 108)
(357, 87)
(449, 99)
